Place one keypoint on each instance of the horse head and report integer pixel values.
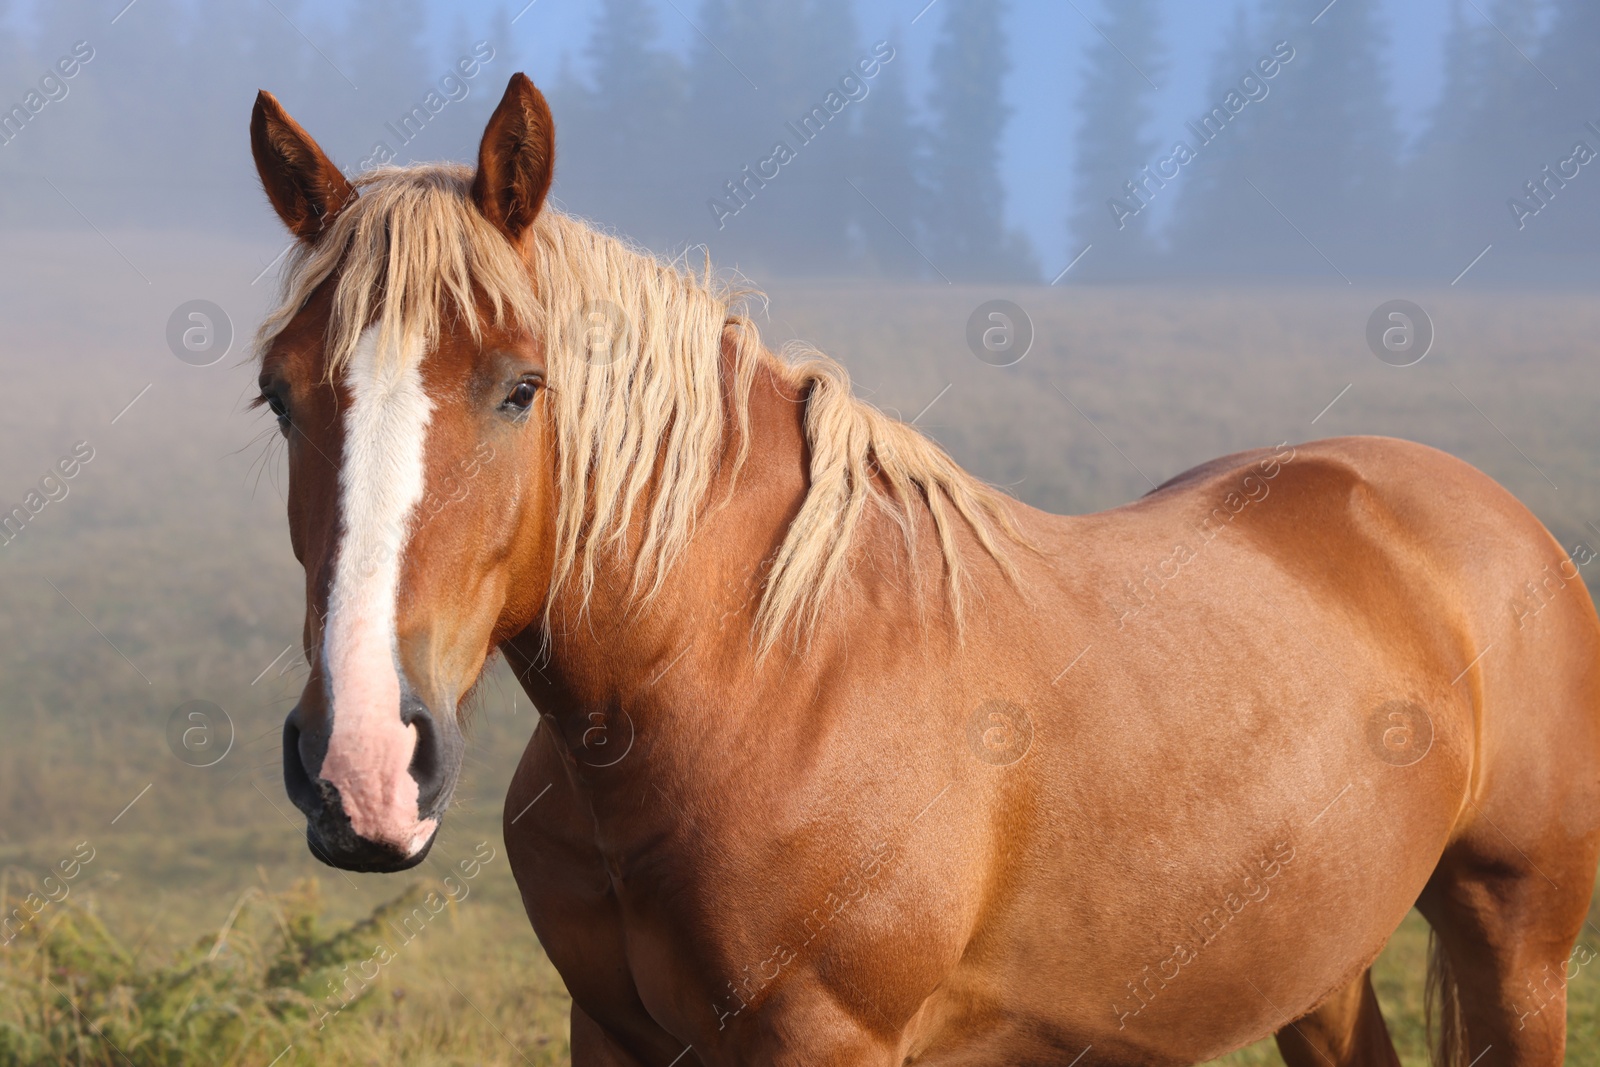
(412, 398)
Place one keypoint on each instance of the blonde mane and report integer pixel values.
(639, 426)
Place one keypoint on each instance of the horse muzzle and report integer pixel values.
(373, 797)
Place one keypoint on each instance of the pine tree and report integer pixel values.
(1217, 222)
(774, 65)
(966, 218)
(502, 34)
(1499, 129)
(817, 208)
(1442, 184)
(580, 181)
(632, 124)
(1481, 135)
(626, 58)
(1567, 54)
(889, 159)
(468, 117)
(1114, 103)
(1327, 145)
(1555, 122)
(1464, 95)
(738, 83)
(386, 60)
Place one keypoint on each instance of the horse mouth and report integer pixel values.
(337, 845)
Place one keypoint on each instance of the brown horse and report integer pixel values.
(847, 759)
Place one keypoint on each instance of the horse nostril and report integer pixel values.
(431, 764)
(296, 778)
(425, 759)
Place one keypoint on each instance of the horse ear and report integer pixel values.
(305, 188)
(516, 161)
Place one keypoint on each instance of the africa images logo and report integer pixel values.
(454, 87)
(53, 88)
(1252, 89)
(52, 487)
(853, 87)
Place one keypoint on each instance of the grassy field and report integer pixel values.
(202, 932)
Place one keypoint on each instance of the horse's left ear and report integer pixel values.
(516, 161)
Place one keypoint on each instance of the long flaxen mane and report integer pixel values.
(639, 425)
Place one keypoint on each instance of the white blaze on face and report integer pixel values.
(370, 749)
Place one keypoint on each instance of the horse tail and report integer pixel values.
(1442, 1003)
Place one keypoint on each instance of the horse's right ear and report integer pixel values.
(516, 161)
(305, 188)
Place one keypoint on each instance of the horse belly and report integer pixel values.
(1179, 942)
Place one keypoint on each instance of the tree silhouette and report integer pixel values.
(819, 205)
(391, 69)
(630, 125)
(733, 119)
(1477, 138)
(888, 173)
(1556, 121)
(773, 131)
(651, 141)
(967, 211)
(1112, 147)
(1218, 222)
(1325, 158)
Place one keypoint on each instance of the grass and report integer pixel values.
(202, 932)
(277, 983)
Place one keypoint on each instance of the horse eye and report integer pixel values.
(522, 394)
(279, 408)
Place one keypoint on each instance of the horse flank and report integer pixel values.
(412, 247)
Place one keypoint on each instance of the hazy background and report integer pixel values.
(1390, 158)
(992, 141)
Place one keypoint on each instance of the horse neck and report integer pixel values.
(604, 647)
